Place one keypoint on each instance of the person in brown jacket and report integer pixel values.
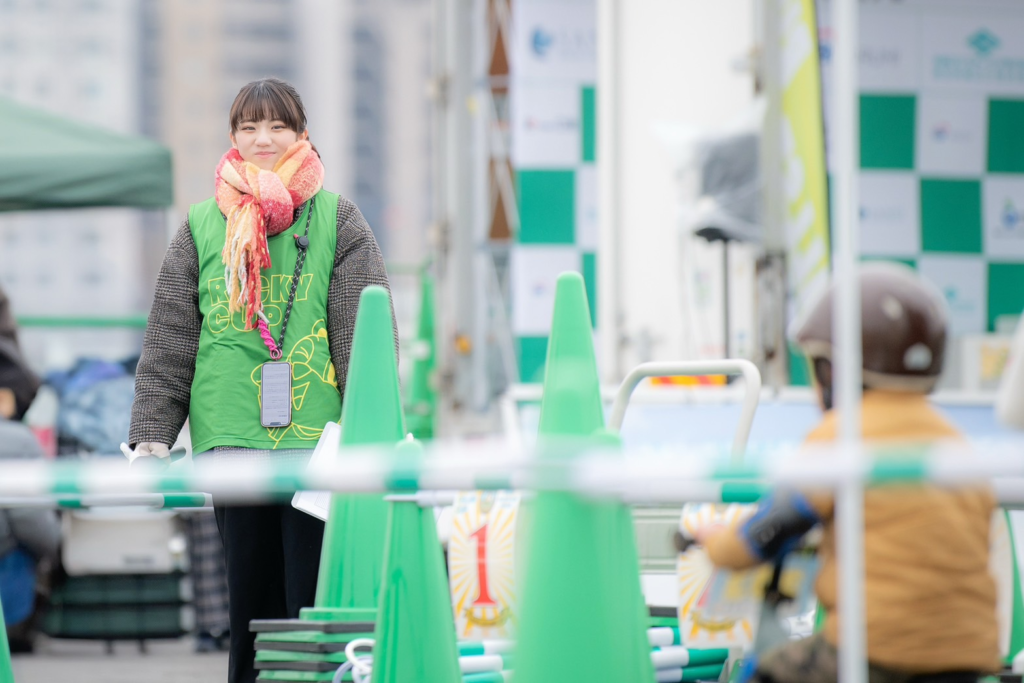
(930, 599)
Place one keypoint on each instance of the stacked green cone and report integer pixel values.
(578, 553)
(351, 563)
(415, 636)
(352, 560)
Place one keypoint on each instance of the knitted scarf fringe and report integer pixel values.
(259, 204)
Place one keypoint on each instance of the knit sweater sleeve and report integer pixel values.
(163, 380)
(358, 264)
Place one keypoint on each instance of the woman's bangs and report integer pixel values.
(263, 103)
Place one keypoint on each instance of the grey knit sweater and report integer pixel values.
(163, 381)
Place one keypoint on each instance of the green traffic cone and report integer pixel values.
(348, 586)
(580, 555)
(571, 403)
(6, 673)
(1017, 617)
(422, 407)
(415, 630)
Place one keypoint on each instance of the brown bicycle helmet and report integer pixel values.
(903, 329)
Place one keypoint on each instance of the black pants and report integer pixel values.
(273, 557)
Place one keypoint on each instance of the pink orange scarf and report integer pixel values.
(260, 204)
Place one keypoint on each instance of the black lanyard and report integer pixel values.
(302, 242)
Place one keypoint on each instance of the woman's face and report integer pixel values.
(264, 142)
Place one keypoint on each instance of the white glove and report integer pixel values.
(147, 450)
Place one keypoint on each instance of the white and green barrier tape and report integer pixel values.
(640, 477)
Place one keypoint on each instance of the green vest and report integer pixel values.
(225, 403)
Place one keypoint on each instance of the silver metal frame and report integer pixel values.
(731, 367)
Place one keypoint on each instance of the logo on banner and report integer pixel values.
(958, 303)
(1011, 222)
(540, 42)
(1011, 216)
(946, 132)
(893, 214)
(983, 42)
(880, 57)
(551, 125)
(825, 44)
(566, 44)
(981, 66)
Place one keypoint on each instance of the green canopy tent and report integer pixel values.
(48, 162)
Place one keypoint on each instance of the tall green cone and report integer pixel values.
(580, 555)
(348, 586)
(6, 673)
(415, 630)
(422, 406)
(571, 405)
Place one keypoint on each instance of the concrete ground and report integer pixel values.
(87, 661)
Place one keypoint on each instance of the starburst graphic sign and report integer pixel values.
(719, 608)
(482, 565)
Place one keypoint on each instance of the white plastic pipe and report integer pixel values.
(477, 664)
(670, 657)
(105, 500)
(661, 636)
(472, 466)
(847, 332)
(734, 366)
(609, 274)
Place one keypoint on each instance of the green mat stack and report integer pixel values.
(351, 567)
(116, 607)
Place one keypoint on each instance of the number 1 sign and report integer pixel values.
(481, 564)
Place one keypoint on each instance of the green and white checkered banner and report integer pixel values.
(942, 149)
(553, 104)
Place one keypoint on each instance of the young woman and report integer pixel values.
(249, 337)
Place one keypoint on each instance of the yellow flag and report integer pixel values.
(803, 152)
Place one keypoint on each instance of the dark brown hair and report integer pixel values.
(268, 99)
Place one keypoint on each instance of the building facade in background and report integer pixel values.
(79, 59)
(169, 70)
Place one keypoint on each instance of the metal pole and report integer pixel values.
(774, 192)
(771, 295)
(609, 275)
(725, 299)
(847, 355)
(480, 128)
(455, 220)
(462, 229)
(438, 228)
